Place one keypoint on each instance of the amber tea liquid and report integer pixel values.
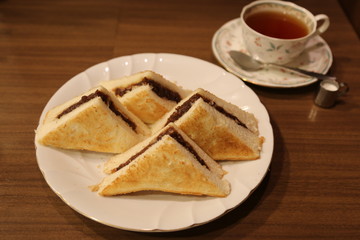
(277, 25)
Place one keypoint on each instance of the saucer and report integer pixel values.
(317, 57)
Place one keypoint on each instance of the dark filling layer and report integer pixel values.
(106, 99)
(175, 135)
(157, 88)
(181, 110)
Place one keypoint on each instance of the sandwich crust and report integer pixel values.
(220, 137)
(91, 126)
(221, 129)
(149, 107)
(146, 94)
(166, 165)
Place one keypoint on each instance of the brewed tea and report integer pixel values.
(277, 25)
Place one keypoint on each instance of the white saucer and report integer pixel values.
(317, 58)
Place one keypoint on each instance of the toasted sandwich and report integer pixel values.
(146, 94)
(221, 129)
(169, 161)
(94, 121)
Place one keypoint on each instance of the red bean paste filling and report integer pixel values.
(106, 99)
(156, 87)
(182, 109)
(175, 135)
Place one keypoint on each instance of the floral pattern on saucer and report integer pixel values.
(317, 58)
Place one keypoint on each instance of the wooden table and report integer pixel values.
(313, 188)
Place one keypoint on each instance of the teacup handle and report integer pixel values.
(344, 88)
(325, 24)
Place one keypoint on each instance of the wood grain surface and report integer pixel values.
(313, 188)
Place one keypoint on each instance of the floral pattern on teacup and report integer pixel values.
(258, 42)
(273, 47)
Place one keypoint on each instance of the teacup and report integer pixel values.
(277, 31)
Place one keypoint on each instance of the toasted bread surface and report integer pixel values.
(92, 125)
(94, 128)
(145, 104)
(144, 100)
(221, 129)
(220, 137)
(167, 167)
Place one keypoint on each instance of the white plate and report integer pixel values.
(317, 57)
(70, 173)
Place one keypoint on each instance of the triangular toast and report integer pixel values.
(169, 161)
(93, 121)
(146, 94)
(222, 130)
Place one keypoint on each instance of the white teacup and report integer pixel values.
(278, 48)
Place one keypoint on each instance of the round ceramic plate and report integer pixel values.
(317, 57)
(70, 173)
